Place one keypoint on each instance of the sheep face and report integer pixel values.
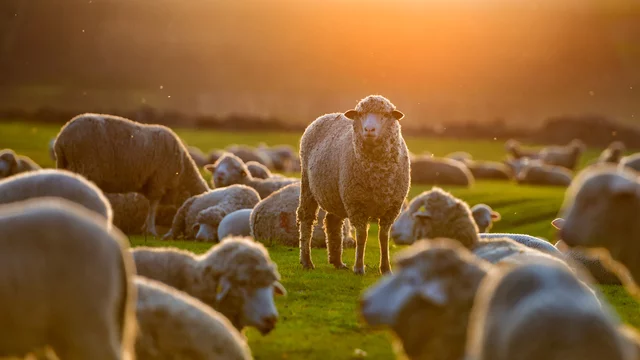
(370, 126)
(484, 217)
(596, 208)
(228, 170)
(207, 223)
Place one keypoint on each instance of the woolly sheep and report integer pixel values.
(12, 164)
(613, 153)
(282, 156)
(484, 217)
(440, 171)
(175, 325)
(130, 211)
(229, 170)
(427, 300)
(258, 170)
(55, 183)
(235, 277)
(564, 156)
(235, 224)
(600, 211)
(592, 264)
(544, 175)
(567, 319)
(200, 215)
(122, 156)
(247, 153)
(354, 165)
(67, 282)
(199, 158)
(274, 219)
(631, 162)
(514, 148)
(488, 170)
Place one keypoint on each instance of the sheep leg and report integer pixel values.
(383, 236)
(362, 229)
(333, 231)
(150, 223)
(306, 216)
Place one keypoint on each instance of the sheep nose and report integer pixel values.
(369, 129)
(268, 323)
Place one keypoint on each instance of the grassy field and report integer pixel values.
(318, 319)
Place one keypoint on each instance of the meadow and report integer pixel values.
(318, 318)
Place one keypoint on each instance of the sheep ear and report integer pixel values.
(351, 114)
(279, 289)
(495, 216)
(558, 223)
(210, 167)
(397, 115)
(223, 288)
(434, 292)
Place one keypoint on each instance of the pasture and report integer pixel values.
(318, 318)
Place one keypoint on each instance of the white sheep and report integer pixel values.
(354, 165)
(235, 224)
(121, 156)
(564, 156)
(258, 170)
(56, 183)
(12, 163)
(66, 282)
(492, 170)
(130, 211)
(230, 169)
(440, 171)
(282, 156)
(235, 277)
(200, 215)
(174, 325)
(274, 220)
(484, 216)
(542, 174)
(542, 311)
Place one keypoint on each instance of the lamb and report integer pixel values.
(514, 148)
(131, 209)
(175, 325)
(258, 170)
(229, 170)
(200, 215)
(199, 158)
(631, 162)
(121, 156)
(545, 175)
(67, 282)
(55, 183)
(12, 164)
(235, 277)
(613, 153)
(427, 300)
(354, 165)
(563, 156)
(568, 320)
(484, 217)
(440, 171)
(600, 211)
(274, 219)
(246, 154)
(235, 224)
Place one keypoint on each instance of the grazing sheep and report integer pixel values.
(258, 170)
(274, 220)
(491, 170)
(235, 224)
(613, 153)
(214, 155)
(247, 153)
(542, 311)
(55, 183)
(592, 264)
(517, 165)
(600, 211)
(200, 215)
(122, 156)
(66, 282)
(282, 156)
(440, 171)
(484, 216)
(427, 300)
(544, 175)
(174, 325)
(12, 164)
(565, 156)
(461, 156)
(354, 165)
(631, 162)
(229, 170)
(130, 211)
(235, 277)
(514, 148)
(199, 158)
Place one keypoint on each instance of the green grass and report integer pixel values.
(318, 319)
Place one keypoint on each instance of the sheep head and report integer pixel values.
(484, 216)
(228, 170)
(375, 119)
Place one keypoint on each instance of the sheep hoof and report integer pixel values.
(385, 271)
(307, 264)
(358, 270)
(340, 266)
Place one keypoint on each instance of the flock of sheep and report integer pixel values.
(457, 291)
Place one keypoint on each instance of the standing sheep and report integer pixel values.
(12, 164)
(55, 183)
(235, 277)
(200, 215)
(174, 325)
(542, 311)
(229, 170)
(543, 174)
(274, 219)
(440, 171)
(564, 156)
(130, 211)
(484, 216)
(122, 156)
(67, 282)
(354, 165)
